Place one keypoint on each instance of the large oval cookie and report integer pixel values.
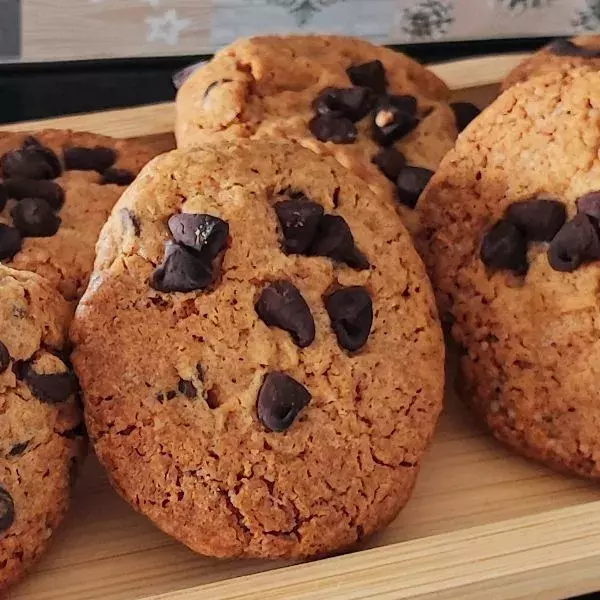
(261, 360)
(378, 112)
(513, 252)
(41, 428)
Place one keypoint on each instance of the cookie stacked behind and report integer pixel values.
(280, 358)
(513, 251)
(377, 112)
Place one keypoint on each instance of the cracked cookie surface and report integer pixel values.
(526, 174)
(41, 425)
(282, 407)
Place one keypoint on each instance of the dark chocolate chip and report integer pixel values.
(18, 449)
(411, 182)
(51, 388)
(390, 162)
(7, 510)
(569, 48)
(577, 242)
(299, 219)
(280, 399)
(98, 158)
(589, 204)
(504, 247)
(464, 113)
(353, 103)
(182, 270)
(203, 233)
(10, 241)
(540, 220)
(3, 196)
(50, 191)
(370, 75)
(32, 161)
(187, 388)
(171, 394)
(402, 102)
(328, 128)
(394, 118)
(282, 305)
(4, 358)
(34, 217)
(334, 239)
(75, 432)
(351, 312)
(117, 176)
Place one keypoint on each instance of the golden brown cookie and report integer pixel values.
(279, 404)
(41, 426)
(513, 251)
(56, 190)
(561, 56)
(376, 111)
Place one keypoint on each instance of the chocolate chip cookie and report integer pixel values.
(41, 425)
(379, 113)
(561, 55)
(280, 359)
(514, 250)
(56, 190)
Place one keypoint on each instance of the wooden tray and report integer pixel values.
(483, 523)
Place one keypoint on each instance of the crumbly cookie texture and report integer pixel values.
(55, 195)
(561, 56)
(513, 252)
(274, 87)
(279, 407)
(41, 425)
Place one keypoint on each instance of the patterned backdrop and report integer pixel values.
(76, 29)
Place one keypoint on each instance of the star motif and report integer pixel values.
(166, 28)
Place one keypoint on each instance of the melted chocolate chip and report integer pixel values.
(117, 176)
(464, 113)
(18, 449)
(34, 217)
(370, 75)
(569, 48)
(280, 399)
(52, 388)
(504, 247)
(394, 117)
(98, 158)
(49, 191)
(200, 232)
(187, 388)
(540, 220)
(7, 510)
(4, 358)
(282, 305)
(352, 103)
(328, 128)
(10, 241)
(351, 312)
(577, 242)
(590, 204)
(411, 182)
(299, 218)
(31, 161)
(182, 270)
(390, 162)
(3, 196)
(334, 239)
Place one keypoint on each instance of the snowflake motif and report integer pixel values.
(588, 19)
(428, 20)
(520, 6)
(303, 10)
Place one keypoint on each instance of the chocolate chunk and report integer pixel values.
(282, 305)
(464, 113)
(504, 247)
(51, 388)
(390, 162)
(589, 204)
(10, 241)
(98, 158)
(328, 128)
(3, 196)
(200, 232)
(351, 312)
(187, 388)
(7, 510)
(577, 242)
(299, 219)
(394, 117)
(117, 176)
(370, 75)
(353, 103)
(403, 102)
(182, 270)
(334, 239)
(539, 220)
(18, 449)
(280, 399)
(50, 191)
(33, 217)
(411, 182)
(31, 161)
(569, 48)
(4, 358)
